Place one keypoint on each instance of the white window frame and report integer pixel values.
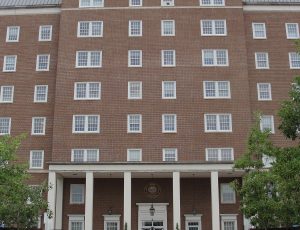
(222, 185)
(84, 155)
(163, 90)
(129, 28)
(140, 153)
(90, 35)
(230, 217)
(163, 3)
(7, 34)
(193, 218)
(83, 193)
(40, 33)
(253, 30)
(35, 100)
(175, 152)
(163, 56)
(218, 123)
(297, 30)
(272, 130)
(87, 98)
(132, 5)
(219, 153)
(163, 123)
(173, 28)
(44, 127)
(4, 63)
(259, 92)
(30, 161)
(215, 58)
(88, 59)
(85, 124)
(75, 218)
(9, 126)
(290, 60)
(38, 62)
(212, 4)
(111, 219)
(141, 90)
(216, 90)
(267, 59)
(140, 123)
(214, 28)
(129, 59)
(12, 94)
(91, 4)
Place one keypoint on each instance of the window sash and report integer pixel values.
(38, 126)
(40, 93)
(12, 34)
(219, 154)
(88, 59)
(259, 30)
(168, 58)
(135, 2)
(135, 28)
(86, 124)
(292, 30)
(264, 91)
(169, 123)
(170, 154)
(135, 58)
(87, 91)
(45, 33)
(294, 60)
(5, 125)
(212, 2)
(167, 2)
(37, 159)
(135, 90)
(215, 57)
(134, 123)
(213, 28)
(169, 89)
(10, 63)
(85, 155)
(134, 155)
(267, 123)
(218, 122)
(227, 194)
(216, 89)
(42, 62)
(6, 94)
(262, 60)
(91, 3)
(167, 28)
(77, 193)
(90, 29)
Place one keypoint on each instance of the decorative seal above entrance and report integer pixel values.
(152, 190)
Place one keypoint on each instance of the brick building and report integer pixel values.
(136, 109)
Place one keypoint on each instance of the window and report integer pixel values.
(228, 222)
(10, 63)
(85, 155)
(169, 154)
(262, 60)
(213, 28)
(5, 124)
(12, 33)
(134, 123)
(6, 94)
(169, 123)
(267, 123)
(91, 3)
(215, 58)
(167, 2)
(193, 222)
(36, 159)
(134, 155)
(135, 28)
(216, 89)
(212, 2)
(167, 28)
(227, 194)
(76, 222)
(40, 93)
(169, 89)
(87, 91)
(292, 30)
(86, 124)
(90, 29)
(135, 2)
(219, 154)
(259, 30)
(168, 58)
(38, 126)
(134, 58)
(111, 222)
(42, 62)
(89, 59)
(268, 160)
(264, 91)
(45, 33)
(294, 60)
(134, 90)
(77, 193)
(218, 123)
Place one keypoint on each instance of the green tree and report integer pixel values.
(20, 203)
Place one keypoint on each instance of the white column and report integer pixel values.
(51, 200)
(215, 208)
(59, 202)
(89, 195)
(176, 200)
(127, 200)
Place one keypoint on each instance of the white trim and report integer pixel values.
(40, 30)
(4, 63)
(269, 91)
(84, 155)
(9, 126)
(38, 62)
(35, 94)
(297, 30)
(111, 218)
(216, 90)
(87, 98)
(193, 218)
(214, 28)
(163, 123)
(7, 34)
(83, 193)
(173, 28)
(140, 123)
(218, 123)
(85, 124)
(163, 56)
(88, 59)
(30, 160)
(32, 126)
(253, 30)
(221, 194)
(141, 59)
(163, 90)
(140, 155)
(290, 60)
(76, 218)
(267, 60)
(140, 28)
(215, 58)
(232, 217)
(175, 152)
(141, 90)
(290, 8)
(12, 94)
(90, 30)
(131, 5)
(219, 149)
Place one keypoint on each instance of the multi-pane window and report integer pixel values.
(40, 93)
(38, 126)
(169, 89)
(192, 222)
(216, 89)
(87, 91)
(6, 94)
(134, 155)
(218, 123)
(135, 28)
(135, 58)
(167, 28)
(292, 30)
(88, 59)
(86, 124)
(261, 60)
(76, 222)
(12, 33)
(267, 123)
(134, 123)
(5, 124)
(294, 60)
(135, 2)
(259, 30)
(228, 222)
(77, 194)
(42, 62)
(227, 194)
(168, 58)
(91, 3)
(167, 2)
(90, 29)
(111, 222)
(36, 159)
(85, 155)
(213, 28)
(219, 154)
(170, 154)
(264, 91)
(169, 123)
(45, 33)
(212, 2)
(134, 90)
(10, 63)
(214, 57)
